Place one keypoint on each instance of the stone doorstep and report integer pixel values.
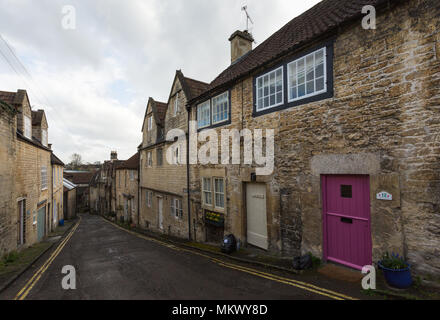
(342, 273)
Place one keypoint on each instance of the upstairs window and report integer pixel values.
(149, 159)
(43, 178)
(204, 114)
(270, 90)
(27, 127)
(44, 140)
(159, 156)
(150, 123)
(307, 76)
(131, 175)
(149, 198)
(176, 103)
(220, 108)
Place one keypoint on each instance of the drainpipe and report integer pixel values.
(187, 174)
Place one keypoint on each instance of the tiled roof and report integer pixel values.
(196, 87)
(160, 110)
(132, 163)
(324, 17)
(37, 116)
(55, 160)
(7, 97)
(13, 98)
(191, 87)
(79, 177)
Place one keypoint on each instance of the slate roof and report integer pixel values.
(323, 18)
(37, 117)
(55, 160)
(13, 98)
(79, 177)
(130, 164)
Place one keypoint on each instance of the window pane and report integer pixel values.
(319, 84)
(310, 67)
(310, 87)
(301, 90)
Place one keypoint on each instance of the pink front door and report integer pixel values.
(346, 216)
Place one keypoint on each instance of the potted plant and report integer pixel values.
(396, 270)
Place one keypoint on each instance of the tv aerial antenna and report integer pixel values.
(248, 19)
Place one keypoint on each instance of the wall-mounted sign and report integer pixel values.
(215, 218)
(384, 196)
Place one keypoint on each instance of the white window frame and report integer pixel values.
(304, 58)
(44, 181)
(214, 103)
(149, 159)
(150, 123)
(27, 123)
(262, 77)
(176, 104)
(206, 191)
(149, 196)
(205, 105)
(214, 179)
(176, 208)
(44, 138)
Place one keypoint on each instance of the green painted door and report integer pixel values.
(41, 221)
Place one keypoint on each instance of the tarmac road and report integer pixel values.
(111, 263)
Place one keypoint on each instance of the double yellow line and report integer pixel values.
(295, 283)
(22, 294)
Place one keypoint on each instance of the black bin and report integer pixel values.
(229, 244)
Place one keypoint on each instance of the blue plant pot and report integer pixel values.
(397, 278)
(61, 222)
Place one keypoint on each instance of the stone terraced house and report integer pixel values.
(356, 122)
(127, 189)
(27, 195)
(163, 170)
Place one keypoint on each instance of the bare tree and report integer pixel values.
(76, 161)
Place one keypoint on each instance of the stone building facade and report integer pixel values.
(163, 170)
(26, 197)
(355, 120)
(127, 190)
(8, 156)
(58, 192)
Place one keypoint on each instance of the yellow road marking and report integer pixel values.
(299, 284)
(22, 294)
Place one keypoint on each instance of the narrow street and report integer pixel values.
(111, 263)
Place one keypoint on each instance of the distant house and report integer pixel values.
(127, 189)
(57, 190)
(163, 180)
(82, 180)
(69, 199)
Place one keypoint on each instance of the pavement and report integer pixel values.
(115, 264)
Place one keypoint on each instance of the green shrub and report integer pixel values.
(393, 261)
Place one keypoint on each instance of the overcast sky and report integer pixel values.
(94, 81)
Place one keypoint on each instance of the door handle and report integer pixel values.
(347, 220)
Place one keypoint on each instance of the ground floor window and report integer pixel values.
(176, 207)
(219, 191)
(148, 197)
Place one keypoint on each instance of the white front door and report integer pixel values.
(256, 215)
(160, 208)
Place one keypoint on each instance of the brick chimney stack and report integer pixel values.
(241, 43)
(113, 155)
